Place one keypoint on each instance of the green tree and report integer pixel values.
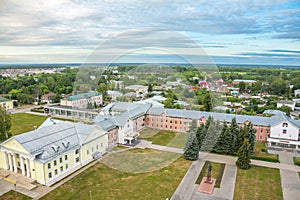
(191, 149)
(5, 124)
(242, 87)
(102, 88)
(234, 132)
(207, 103)
(243, 161)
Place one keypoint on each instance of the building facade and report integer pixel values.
(81, 101)
(6, 104)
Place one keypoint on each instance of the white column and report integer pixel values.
(22, 165)
(15, 163)
(27, 168)
(6, 165)
(10, 162)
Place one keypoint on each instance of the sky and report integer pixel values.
(227, 32)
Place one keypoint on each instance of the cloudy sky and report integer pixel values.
(71, 31)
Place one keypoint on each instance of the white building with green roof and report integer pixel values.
(81, 101)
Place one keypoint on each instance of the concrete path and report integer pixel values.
(226, 190)
(186, 188)
(290, 184)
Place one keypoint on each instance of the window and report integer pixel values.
(55, 163)
(261, 131)
(49, 165)
(77, 151)
(284, 131)
(101, 144)
(260, 137)
(77, 159)
(87, 152)
(60, 160)
(92, 149)
(97, 146)
(284, 124)
(55, 171)
(67, 166)
(61, 168)
(66, 157)
(50, 175)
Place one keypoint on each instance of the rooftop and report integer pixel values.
(83, 96)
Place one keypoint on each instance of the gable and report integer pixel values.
(13, 144)
(95, 133)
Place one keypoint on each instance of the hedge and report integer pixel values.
(296, 161)
(268, 159)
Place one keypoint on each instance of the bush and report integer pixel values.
(296, 161)
(268, 159)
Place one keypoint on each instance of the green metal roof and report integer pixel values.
(3, 99)
(83, 96)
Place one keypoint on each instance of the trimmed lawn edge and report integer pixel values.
(218, 178)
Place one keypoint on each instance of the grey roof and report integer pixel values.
(273, 112)
(51, 141)
(155, 111)
(105, 122)
(192, 114)
(49, 121)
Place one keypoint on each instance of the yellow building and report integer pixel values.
(7, 104)
(53, 151)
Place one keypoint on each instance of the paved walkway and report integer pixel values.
(290, 182)
(186, 188)
(226, 190)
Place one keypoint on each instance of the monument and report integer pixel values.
(207, 184)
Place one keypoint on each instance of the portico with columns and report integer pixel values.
(17, 162)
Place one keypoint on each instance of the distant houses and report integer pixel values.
(81, 101)
(6, 104)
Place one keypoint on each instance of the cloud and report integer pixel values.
(251, 54)
(284, 51)
(85, 24)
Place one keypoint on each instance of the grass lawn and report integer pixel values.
(119, 147)
(258, 183)
(107, 183)
(178, 141)
(217, 173)
(261, 153)
(140, 160)
(165, 138)
(23, 122)
(11, 195)
(148, 133)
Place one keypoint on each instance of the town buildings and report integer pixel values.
(6, 104)
(81, 101)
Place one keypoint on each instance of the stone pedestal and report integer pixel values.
(207, 186)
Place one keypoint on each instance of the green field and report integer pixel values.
(165, 138)
(108, 183)
(13, 195)
(217, 173)
(23, 122)
(261, 153)
(258, 183)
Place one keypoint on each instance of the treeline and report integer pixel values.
(27, 89)
(217, 137)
